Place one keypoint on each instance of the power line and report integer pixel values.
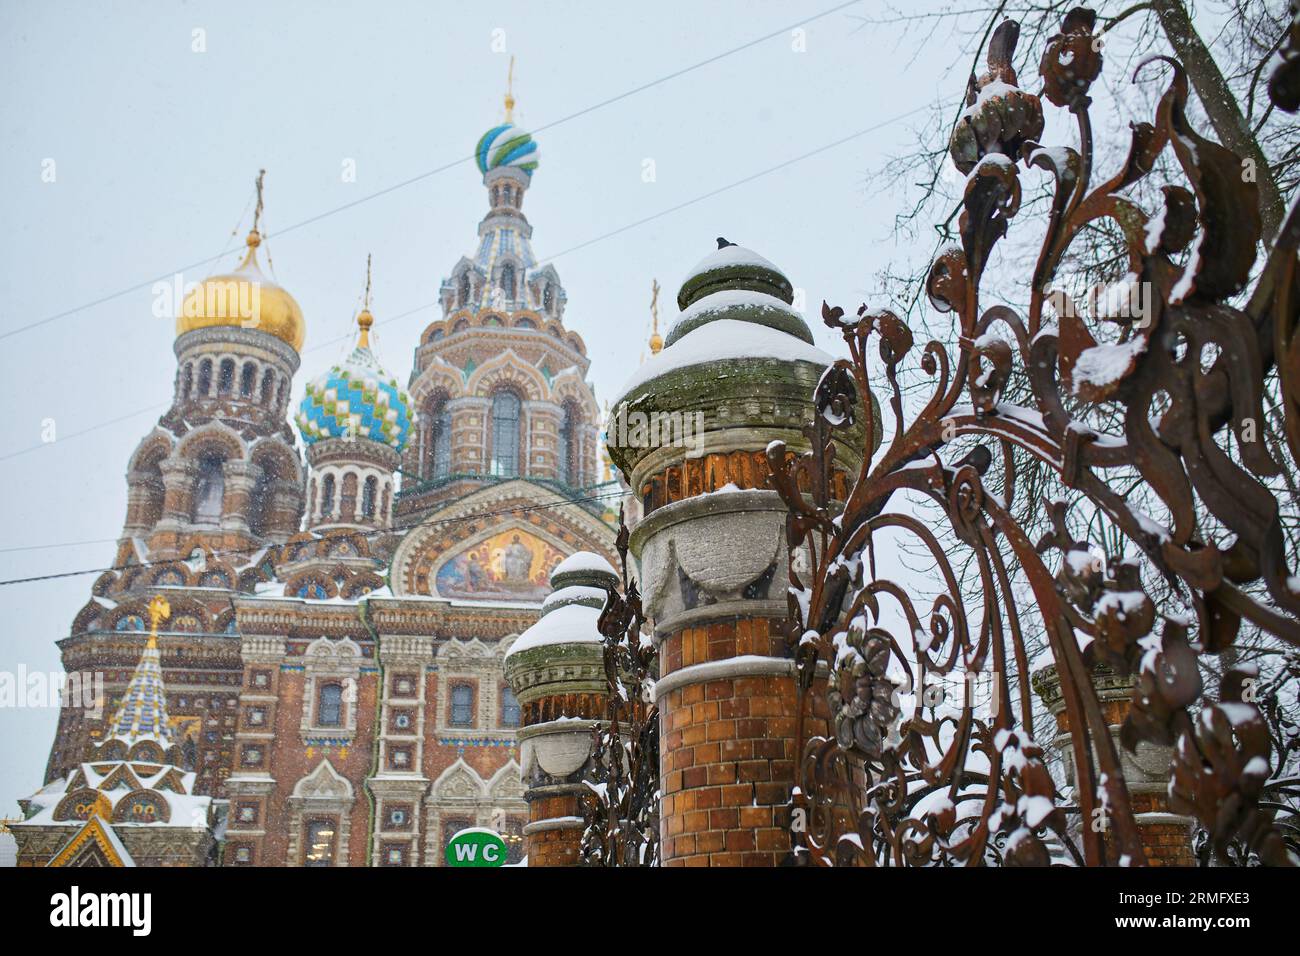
(740, 182)
(582, 245)
(366, 534)
(63, 544)
(419, 177)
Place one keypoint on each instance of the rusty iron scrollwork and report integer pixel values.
(621, 807)
(1181, 383)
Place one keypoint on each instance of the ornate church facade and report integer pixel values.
(340, 607)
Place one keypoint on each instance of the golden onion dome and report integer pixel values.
(245, 298)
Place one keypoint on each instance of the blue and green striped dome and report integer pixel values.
(357, 398)
(506, 145)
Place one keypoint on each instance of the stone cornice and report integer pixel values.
(748, 666)
(242, 339)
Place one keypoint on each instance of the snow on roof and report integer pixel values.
(730, 256)
(103, 827)
(582, 561)
(731, 298)
(185, 808)
(570, 624)
(574, 592)
(720, 341)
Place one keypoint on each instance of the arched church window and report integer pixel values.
(508, 280)
(548, 297)
(496, 195)
(187, 379)
(348, 497)
(368, 494)
(505, 434)
(279, 394)
(268, 383)
(205, 377)
(246, 379)
(329, 707)
(209, 490)
(566, 456)
(263, 497)
(320, 843)
(514, 837)
(327, 497)
(509, 708)
(462, 705)
(462, 290)
(440, 440)
(226, 378)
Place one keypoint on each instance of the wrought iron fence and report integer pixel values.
(1185, 379)
(621, 807)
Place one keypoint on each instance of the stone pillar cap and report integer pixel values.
(584, 568)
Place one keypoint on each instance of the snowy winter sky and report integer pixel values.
(156, 147)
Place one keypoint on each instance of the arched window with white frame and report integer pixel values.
(505, 433)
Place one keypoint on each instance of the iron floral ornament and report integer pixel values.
(970, 785)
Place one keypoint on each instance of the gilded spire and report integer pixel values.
(143, 712)
(510, 96)
(254, 235)
(656, 340)
(256, 302)
(365, 320)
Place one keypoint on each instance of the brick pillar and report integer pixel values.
(728, 729)
(143, 503)
(689, 436)
(240, 480)
(178, 475)
(556, 669)
(1166, 836)
(469, 434)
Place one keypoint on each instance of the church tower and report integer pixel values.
(354, 420)
(499, 384)
(211, 490)
(220, 468)
(131, 802)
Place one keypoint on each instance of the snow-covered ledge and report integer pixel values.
(748, 665)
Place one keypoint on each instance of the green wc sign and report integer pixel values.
(476, 846)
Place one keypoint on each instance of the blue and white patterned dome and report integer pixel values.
(506, 145)
(358, 399)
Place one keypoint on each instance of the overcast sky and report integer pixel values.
(154, 147)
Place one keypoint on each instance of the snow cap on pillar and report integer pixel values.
(737, 283)
(570, 612)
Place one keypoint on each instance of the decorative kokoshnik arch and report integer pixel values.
(543, 517)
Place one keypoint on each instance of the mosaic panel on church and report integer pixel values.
(512, 565)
